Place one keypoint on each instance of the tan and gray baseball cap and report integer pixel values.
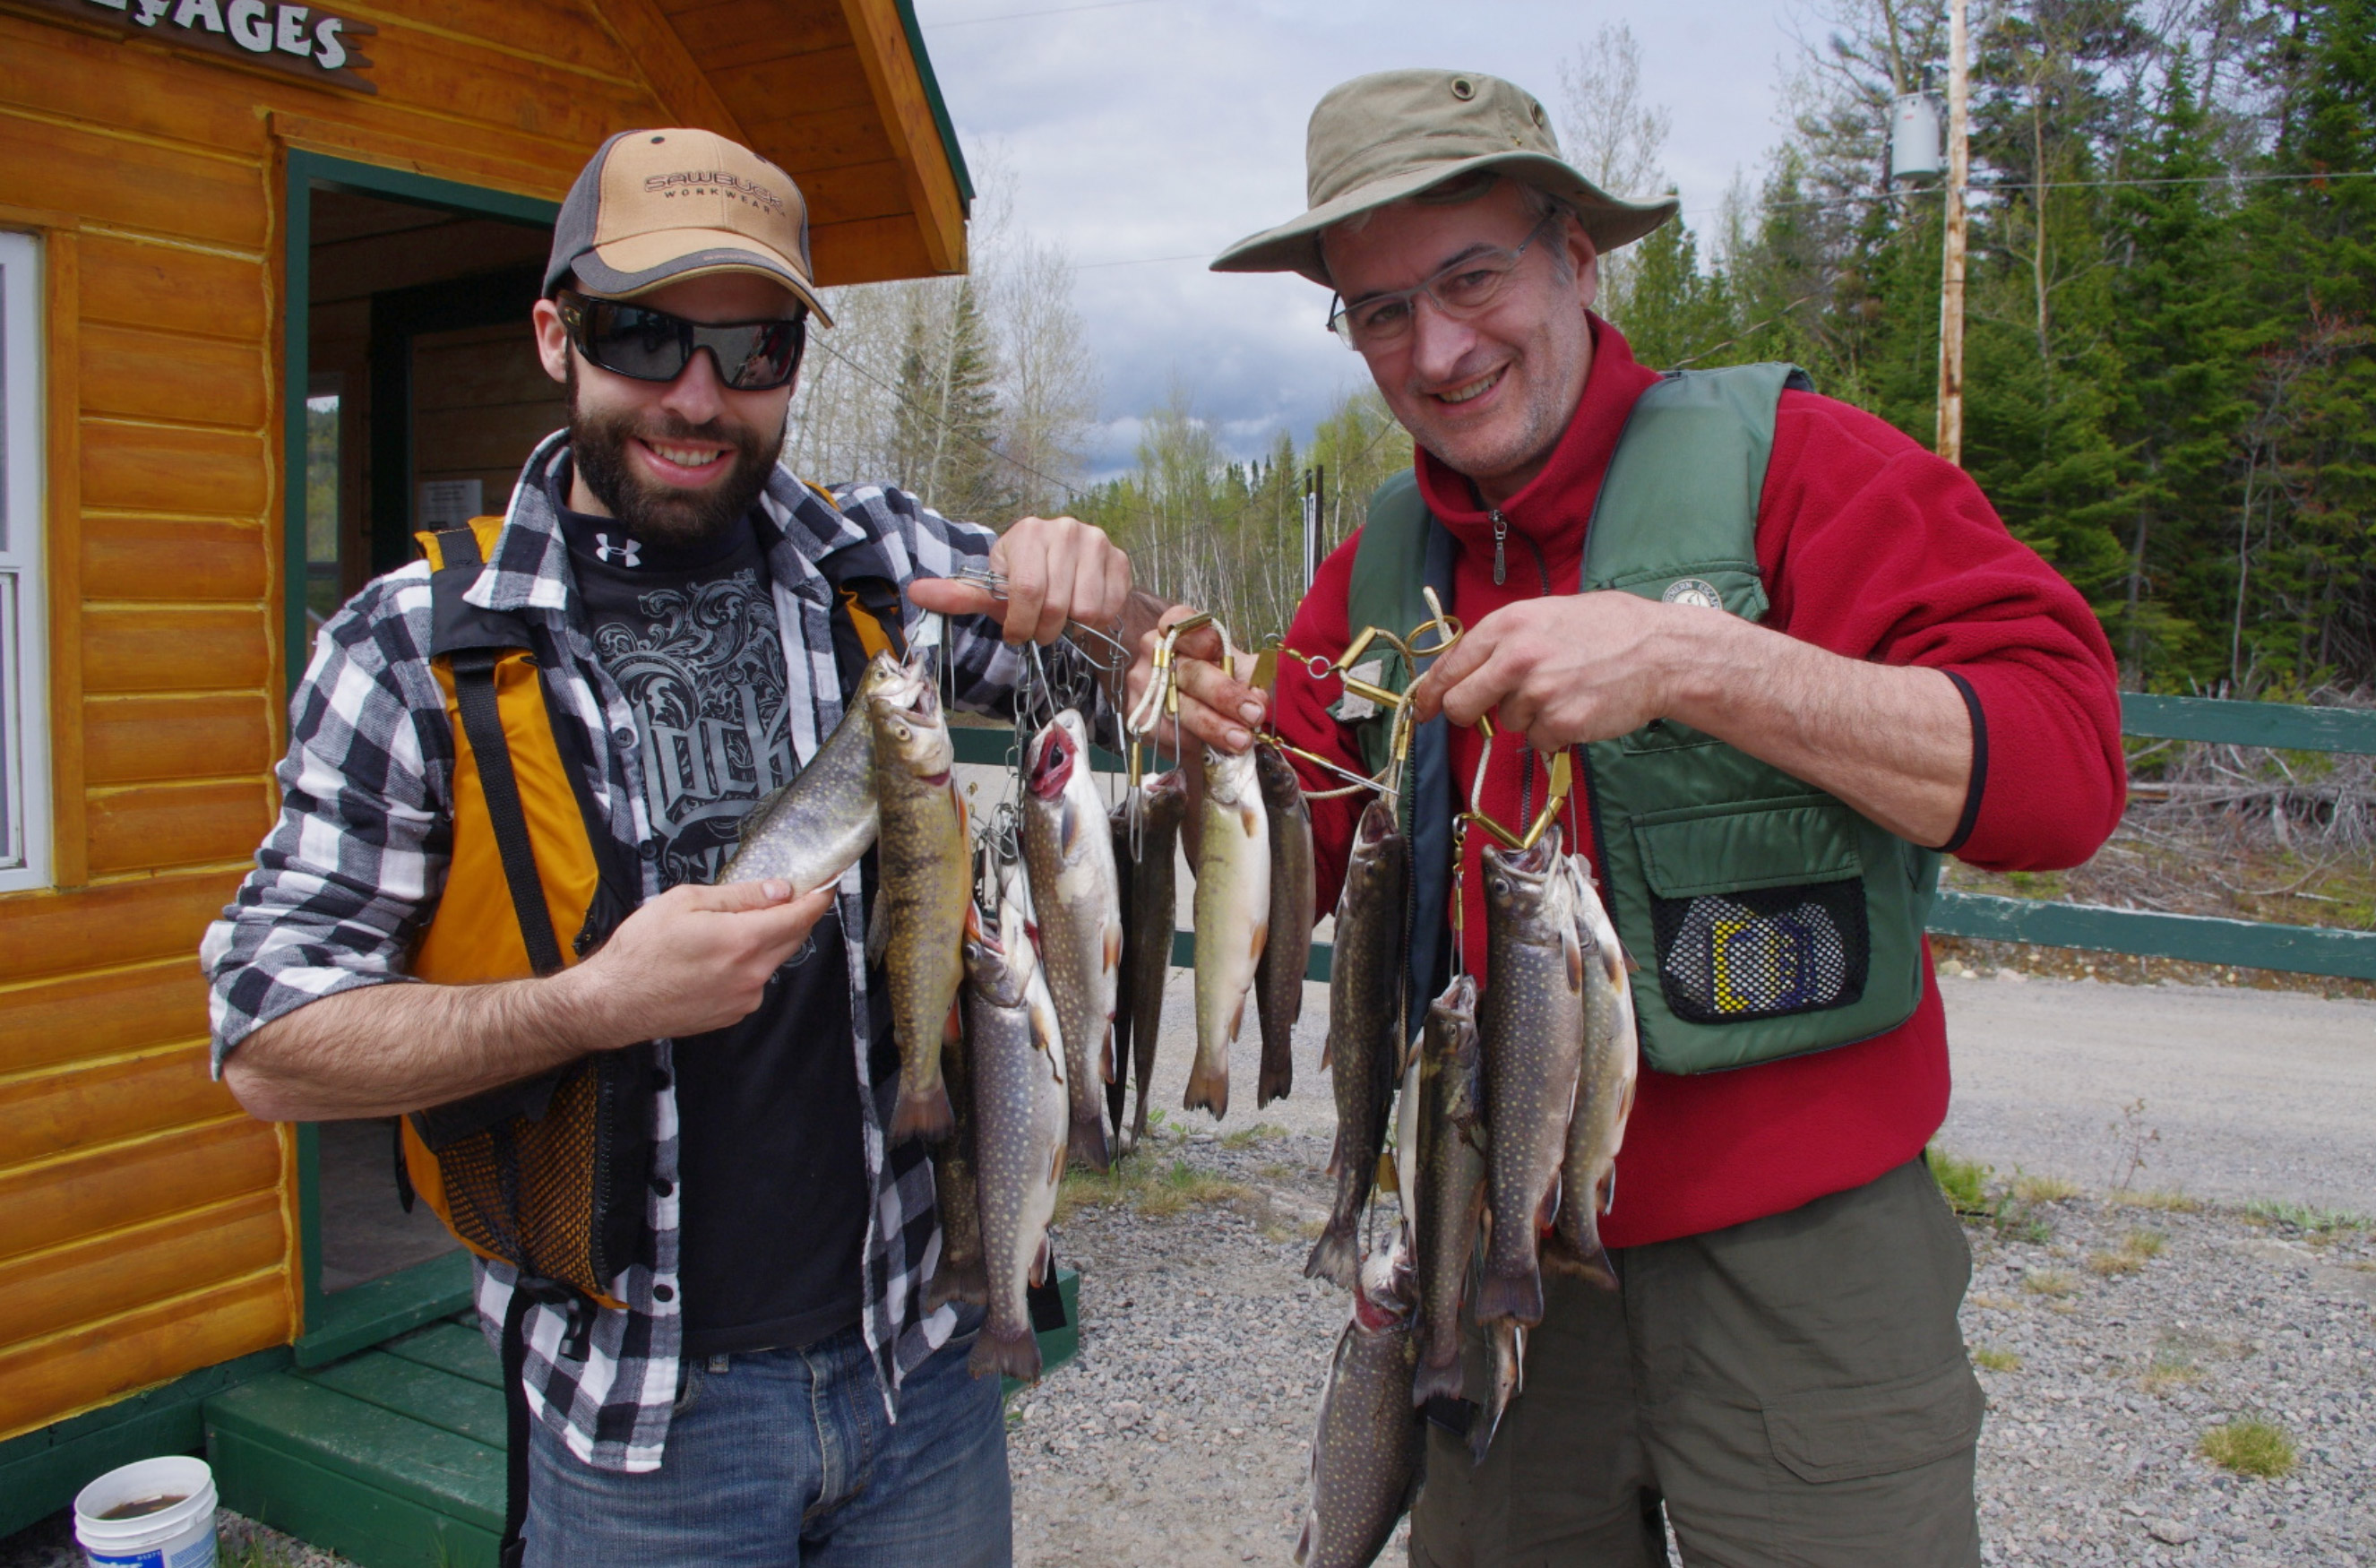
(655, 206)
(1379, 138)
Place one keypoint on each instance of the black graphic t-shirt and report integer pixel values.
(774, 1206)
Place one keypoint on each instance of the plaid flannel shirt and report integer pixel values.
(349, 875)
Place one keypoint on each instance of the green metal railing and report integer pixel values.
(2202, 939)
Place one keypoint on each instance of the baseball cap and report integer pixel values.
(655, 206)
(1379, 138)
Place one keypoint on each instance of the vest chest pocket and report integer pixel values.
(1757, 911)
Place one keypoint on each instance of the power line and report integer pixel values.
(2002, 188)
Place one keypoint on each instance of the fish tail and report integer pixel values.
(923, 1113)
(1088, 1143)
(1275, 1084)
(1438, 1380)
(1336, 1257)
(1517, 1296)
(1588, 1260)
(967, 1281)
(1014, 1353)
(1481, 1428)
(1208, 1086)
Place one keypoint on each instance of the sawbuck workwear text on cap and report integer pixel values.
(1379, 138)
(655, 206)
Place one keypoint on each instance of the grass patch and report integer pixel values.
(2044, 1189)
(1994, 1360)
(1182, 1187)
(2249, 1448)
(1145, 1187)
(2131, 1255)
(1963, 1182)
(2165, 1200)
(2052, 1282)
(1246, 1137)
(2305, 1218)
(2171, 1369)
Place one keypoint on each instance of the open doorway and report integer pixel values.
(423, 397)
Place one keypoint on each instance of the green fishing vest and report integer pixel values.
(1769, 918)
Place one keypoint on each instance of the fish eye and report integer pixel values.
(1500, 886)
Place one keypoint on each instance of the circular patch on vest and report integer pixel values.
(1694, 591)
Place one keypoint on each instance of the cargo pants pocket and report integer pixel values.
(1844, 1435)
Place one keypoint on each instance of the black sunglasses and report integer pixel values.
(644, 344)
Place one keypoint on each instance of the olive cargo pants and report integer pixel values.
(1795, 1388)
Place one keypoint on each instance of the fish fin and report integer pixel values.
(953, 1027)
(1519, 1296)
(1237, 1018)
(1208, 1089)
(923, 1113)
(1337, 1152)
(878, 931)
(1088, 1143)
(1631, 966)
(1039, 1264)
(1388, 1178)
(1571, 949)
(1336, 1257)
(1260, 938)
(967, 1282)
(1056, 1163)
(1606, 1194)
(1303, 1541)
(1547, 1211)
(1113, 946)
(1327, 1049)
(1106, 1063)
(1433, 1381)
(1014, 1353)
(1590, 1262)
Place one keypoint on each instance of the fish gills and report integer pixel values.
(1279, 978)
(1152, 918)
(1366, 1452)
(1077, 913)
(1363, 1055)
(1532, 1031)
(1232, 918)
(926, 880)
(1021, 1116)
(1449, 1168)
(1604, 1096)
(815, 827)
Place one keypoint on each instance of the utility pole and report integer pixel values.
(1951, 280)
(1311, 529)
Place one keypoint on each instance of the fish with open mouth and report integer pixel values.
(1077, 913)
(1367, 1450)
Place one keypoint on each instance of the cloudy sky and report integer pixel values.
(1145, 136)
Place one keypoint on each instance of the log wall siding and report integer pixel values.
(146, 1224)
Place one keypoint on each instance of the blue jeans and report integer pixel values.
(786, 1458)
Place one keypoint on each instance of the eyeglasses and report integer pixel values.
(1460, 292)
(644, 344)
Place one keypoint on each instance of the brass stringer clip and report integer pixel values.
(1562, 781)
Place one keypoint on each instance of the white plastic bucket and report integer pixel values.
(181, 1534)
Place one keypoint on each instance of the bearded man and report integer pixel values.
(753, 1376)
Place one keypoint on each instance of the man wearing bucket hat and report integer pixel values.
(1792, 659)
(728, 1356)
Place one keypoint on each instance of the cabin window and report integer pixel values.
(24, 667)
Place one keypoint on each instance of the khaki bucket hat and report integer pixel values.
(1379, 138)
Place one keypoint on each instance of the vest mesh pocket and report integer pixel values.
(1762, 952)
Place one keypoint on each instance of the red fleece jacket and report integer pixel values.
(1872, 548)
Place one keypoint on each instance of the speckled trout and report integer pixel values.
(1532, 1031)
(1076, 911)
(1363, 1055)
(1365, 1455)
(1232, 918)
(961, 1275)
(1148, 922)
(926, 886)
(1604, 1095)
(1443, 1149)
(1279, 978)
(1020, 1117)
(815, 827)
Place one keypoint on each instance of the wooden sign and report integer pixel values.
(298, 39)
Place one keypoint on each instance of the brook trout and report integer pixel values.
(1232, 918)
(1604, 1095)
(1445, 1186)
(961, 1275)
(1151, 918)
(1364, 1053)
(1076, 910)
(1365, 1455)
(927, 887)
(1022, 1113)
(815, 827)
(1279, 978)
(1532, 1031)
(1118, 1088)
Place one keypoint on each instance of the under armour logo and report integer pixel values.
(624, 552)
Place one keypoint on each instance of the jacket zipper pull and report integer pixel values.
(1501, 532)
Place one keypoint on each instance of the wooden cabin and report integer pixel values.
(266, 270)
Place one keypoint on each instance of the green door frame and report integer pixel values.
(342, 1323)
